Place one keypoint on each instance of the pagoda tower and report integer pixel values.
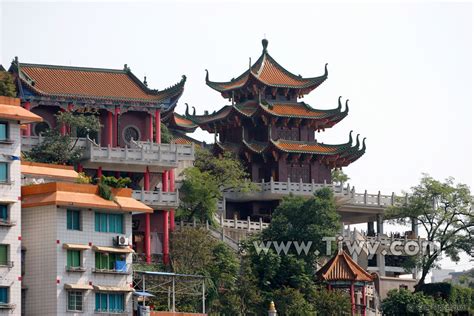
(271, 130)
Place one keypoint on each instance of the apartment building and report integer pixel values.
(12, 116)
(77, 249)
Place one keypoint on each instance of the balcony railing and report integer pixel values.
(28, 142)
(157, 198)
(186, 152)
(75, 269)
(126, 269)
(307, 189)
(7, 223)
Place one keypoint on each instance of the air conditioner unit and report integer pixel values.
(122, 241)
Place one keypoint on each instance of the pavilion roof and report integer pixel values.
(338, 155)
(10, 109)
(179, 122)
(268, 72)
(341, 267)
(91, 83)
(281, 109)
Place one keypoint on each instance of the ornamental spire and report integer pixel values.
(265, 45)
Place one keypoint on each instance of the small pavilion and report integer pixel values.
(343, 273)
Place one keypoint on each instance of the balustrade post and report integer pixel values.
(392, 199)
(348, 188)
(207, 225)
(271, 184)
(312, 185)
(324, 183)
(365, 197)
(378, 198)
(158, 153)
(301, 184)
(194, 222)
(143, 153)
(353, 192)
(288, 184)
(160, 195)
(235, 220)
(248, 223)
(222, 220)
(126, 152)
(176, 153)
(261, 223)
(109, 152)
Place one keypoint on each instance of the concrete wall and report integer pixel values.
(46, 260)
(10, 235)
(385, 284)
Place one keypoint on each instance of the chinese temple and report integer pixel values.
(271, 130)
(128, 143)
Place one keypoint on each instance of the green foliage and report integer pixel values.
(166, 136)
(403, 302)
(331, 303)
(7, 86)
(458, 296)
(203, 184)
(289, 279)
(107, 183)
(305, 220)
(61, 149)
(83, 178)
(116, 183)
(444, 211)
(338, 176)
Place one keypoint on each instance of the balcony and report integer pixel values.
(75, 269)
(7, 223)
(6, 264)
(140, 154)
(7, 306)
(120, 267)
(157, 199)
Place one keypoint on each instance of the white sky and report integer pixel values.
(406, 68)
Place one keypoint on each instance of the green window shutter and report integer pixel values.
(69, 219)
(3, 172)
(103, 301)
(3, 212)
(112, 303)
(3, 131)
(76, 219)
(4, 295)
(97, 301)
(120, 223)
(3, 254)
(71, 301)
(97, 222)
(103, 222)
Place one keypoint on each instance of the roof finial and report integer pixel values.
(207, 75)
(326, 70)
(347, 106)
(350, 138)
(194, 111)
(16, 60)
(357, 142)
(250, 62)
(363, 145)
(339, 106)
(145, 82)
(265, 45)
(187, 110)
(126, 68)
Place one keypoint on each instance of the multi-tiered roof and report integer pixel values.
(266, 94)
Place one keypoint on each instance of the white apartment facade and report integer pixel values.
(11, 118)
(77, 249)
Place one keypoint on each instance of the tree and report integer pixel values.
(338, 176)
(444, 211)
(288, 277)
(7, 86)
(331, 303)
(204, 183)
(403, 302)
(61, 149)
(166, 136)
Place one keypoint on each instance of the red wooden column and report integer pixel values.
(172, 189)
(110, 130)
(149, 135)
(79, 168)
(146, 186)
(70, 107)
(99, 172)
(166, 236)
(27, 131)
(63, 126)
(353, 298)
(116, 115)
(166, 241)
(157, 126)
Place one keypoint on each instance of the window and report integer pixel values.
(109, 302)
(4, 297)
(129, 133)
(4, 255)
(3, 131)
(3, 213)
(74, 301)
(74, 259)
(40, 128)
(3, 172)
(73, 220)
(109, 223)
(110, 261)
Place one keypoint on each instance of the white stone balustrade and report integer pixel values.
(156, 199)
(28, 142)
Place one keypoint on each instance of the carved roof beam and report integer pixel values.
(274, 92)
(295, 158)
